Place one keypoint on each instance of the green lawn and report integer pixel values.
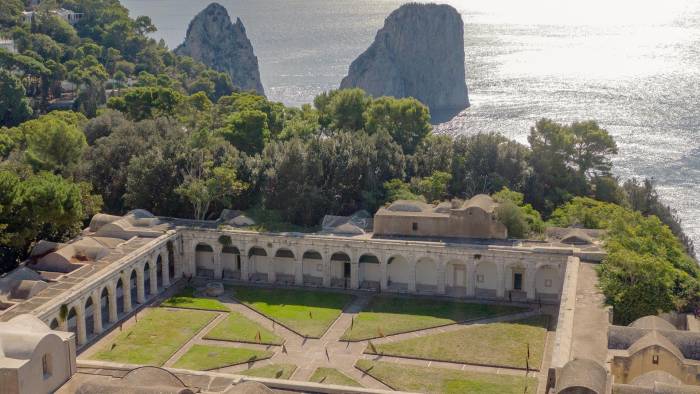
(447, 381)
(332, 376)
(275, 371)
(156, 337)
(497, 344)
(309, 313)
(187, 299)
(386, 315)
(204, 357)
(238, 328)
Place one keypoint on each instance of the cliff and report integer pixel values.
(224, 46)
(418, 53)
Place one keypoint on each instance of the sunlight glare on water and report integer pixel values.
(632, 65)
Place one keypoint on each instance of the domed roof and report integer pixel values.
(408, 206)
(654, 338)
(249, 387)
(576, 236)
(151, 377)
(650, 378)
(652, 323)
(584, 373)
(481, 201)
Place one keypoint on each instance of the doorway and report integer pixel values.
(517, 281)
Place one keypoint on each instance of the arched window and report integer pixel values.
(46, 365)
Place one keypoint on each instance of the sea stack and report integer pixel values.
(418, 53)
(224, 46)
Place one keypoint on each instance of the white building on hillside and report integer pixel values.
(8, 45)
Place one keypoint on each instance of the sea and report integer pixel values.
(632, 65)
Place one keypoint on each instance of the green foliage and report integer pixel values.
(147, 102)
(406, 120)
(342, 109)
(41, 206)
(14, 106)
(247, 130)
(434, 187)
(646, 270)
(396, 189)
(522, 220)
(54, 142)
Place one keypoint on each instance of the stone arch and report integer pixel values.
(204, 260)
(147, 278)
(160, 270)
(72, 321)
(312, 268)
(456, 278)
(171, 263)
(133, 286)
(104, 305)
(341, 269)
(370, 271)
(548, 281)
(486, 280)
(284, 265)
(231, 262)
(398, 273)
(120, 289)
(89, 316)
(259, 264)
(426, 275)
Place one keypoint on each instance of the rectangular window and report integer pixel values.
(415, 226)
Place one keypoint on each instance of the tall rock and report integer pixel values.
(418, 53)
(224, 46)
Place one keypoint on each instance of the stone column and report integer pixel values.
(80, 320)
(298, 268)
(412, 274)
(112, 302)
(471, 279)
(126, 288)
(97, 313)
(326, 261)
(501, 279)
(384, 274)
(216, 259)
(179, 258)
(271, 272)
(245, 266)
(165, 261)
(140, 292)
(530, 287)
(153, 273)
(354, 271)
(441, 272)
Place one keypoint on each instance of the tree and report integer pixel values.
(41, 206)
(342, 109)
(53, 142)
(434, 187)
(147, 102)
(396, 189)
(521, 219)
(205, 184)
(592, 147)
(14, 106)
(10, 12)
(247, 130)
(406, 120)
(434, 153)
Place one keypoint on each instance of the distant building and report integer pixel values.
(69, 16)
(8, 45)
(475, 218)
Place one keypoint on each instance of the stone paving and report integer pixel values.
(329, 351)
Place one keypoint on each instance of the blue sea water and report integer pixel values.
(632, 65)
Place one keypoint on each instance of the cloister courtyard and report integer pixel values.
(355, 338)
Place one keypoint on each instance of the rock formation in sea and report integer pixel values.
(224, 46)
(418, 53)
